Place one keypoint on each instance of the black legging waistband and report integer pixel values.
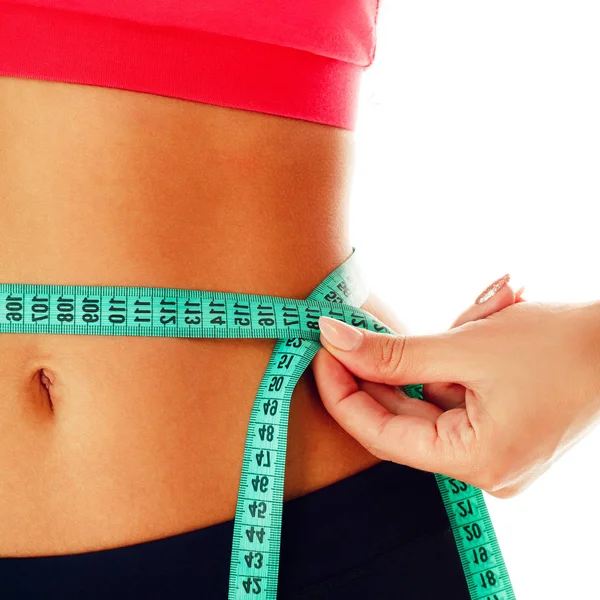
(380, 518)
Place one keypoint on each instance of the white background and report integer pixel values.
(478, 154)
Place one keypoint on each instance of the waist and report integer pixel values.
(144, 437)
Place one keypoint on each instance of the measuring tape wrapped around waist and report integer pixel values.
(171, 312)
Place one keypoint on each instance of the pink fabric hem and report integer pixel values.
(59, 45)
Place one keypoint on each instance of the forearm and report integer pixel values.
(584, 324)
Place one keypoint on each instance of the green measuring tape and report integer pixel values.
(171, 312)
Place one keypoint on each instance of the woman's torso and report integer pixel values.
(145, 436)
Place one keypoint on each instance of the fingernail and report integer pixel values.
(519, 292)
(492, 289)
(340, 334)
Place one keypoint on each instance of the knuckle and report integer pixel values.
(389, 354)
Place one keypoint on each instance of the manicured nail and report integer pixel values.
(492, 289)
(339, 334)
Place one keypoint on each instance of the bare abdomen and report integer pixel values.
(127, 439)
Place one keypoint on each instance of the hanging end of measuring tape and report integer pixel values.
(355, 274)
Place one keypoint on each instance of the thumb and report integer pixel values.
(397, 359)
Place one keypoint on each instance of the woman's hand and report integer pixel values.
(525, 387)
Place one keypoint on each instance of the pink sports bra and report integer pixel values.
(296, 58)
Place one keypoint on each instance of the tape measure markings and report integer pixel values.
(176, 312)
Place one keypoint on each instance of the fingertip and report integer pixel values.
(504, 297)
